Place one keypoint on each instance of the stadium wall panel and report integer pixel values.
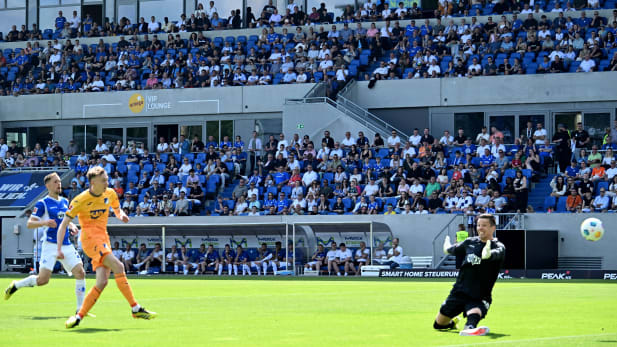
(493, 90)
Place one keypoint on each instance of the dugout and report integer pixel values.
(303, 236)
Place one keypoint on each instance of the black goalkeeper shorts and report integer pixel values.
(458, 303)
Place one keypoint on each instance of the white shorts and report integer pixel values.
(49, 251)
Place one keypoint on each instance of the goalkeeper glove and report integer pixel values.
(486, 251)
(446, 244)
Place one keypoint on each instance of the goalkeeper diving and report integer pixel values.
(483, 257)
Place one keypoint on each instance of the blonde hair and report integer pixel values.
(95, 172)
(49, 177)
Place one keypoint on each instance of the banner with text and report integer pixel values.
(610, 275)
(19, 189)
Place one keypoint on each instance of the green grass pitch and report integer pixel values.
(308, 312)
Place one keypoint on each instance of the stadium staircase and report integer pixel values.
(538, 193)
(349, 114)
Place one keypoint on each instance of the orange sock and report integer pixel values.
(125, 288)
(89, 301)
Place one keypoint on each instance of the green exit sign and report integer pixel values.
(300, 126)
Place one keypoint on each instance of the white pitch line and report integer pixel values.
(530, 340)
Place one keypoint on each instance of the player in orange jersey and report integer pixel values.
(92, 209)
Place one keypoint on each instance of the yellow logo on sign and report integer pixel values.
(136, 103)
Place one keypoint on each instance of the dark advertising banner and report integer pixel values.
(609, 275)
(19, 189)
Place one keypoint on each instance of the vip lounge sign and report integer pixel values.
(19, 189)
(138, 103)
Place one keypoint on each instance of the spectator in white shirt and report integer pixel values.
(434, 68)
(483, 135)
(382, 70)
(395, 254)
(393, 139)
(415, 138)
(348, 140)
(345, 257)
(371, 189)
(539, 135)
(275, 18)
(446, 139)
(612, 171)
(211, 10)
(587, 65)
(162, 146)
(474, 69)
(309, 176)
(153, 26)
(75, 21)
(100, 147)
(409, 150)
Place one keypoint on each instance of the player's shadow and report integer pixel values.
(495, 336)
(94, 330)
(492, 336)
(43, 317)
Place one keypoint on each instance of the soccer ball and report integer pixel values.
(592, 229)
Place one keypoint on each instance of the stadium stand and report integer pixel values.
(352, 176)
(572, 42)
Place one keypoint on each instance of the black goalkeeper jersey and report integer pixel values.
(476, 276)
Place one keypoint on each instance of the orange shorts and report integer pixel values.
(96, 247)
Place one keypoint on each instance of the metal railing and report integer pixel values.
(510, 221)
(365, 115)
(438, 257)
(356, 112)
(42, 168)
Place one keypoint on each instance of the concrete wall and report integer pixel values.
(416, 232)
(317, 117)
(171, 102)
(492, 90)
(406, 118)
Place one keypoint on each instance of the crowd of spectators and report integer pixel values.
(305, 53)
(527, 45)
(419, 175)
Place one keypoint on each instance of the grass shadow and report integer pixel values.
(607, 341)
(79, 330)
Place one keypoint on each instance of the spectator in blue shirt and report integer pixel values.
(487, 159)
(185, 145)
(281, 177)
(60, 20)
(572, 170)
(282, 203)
